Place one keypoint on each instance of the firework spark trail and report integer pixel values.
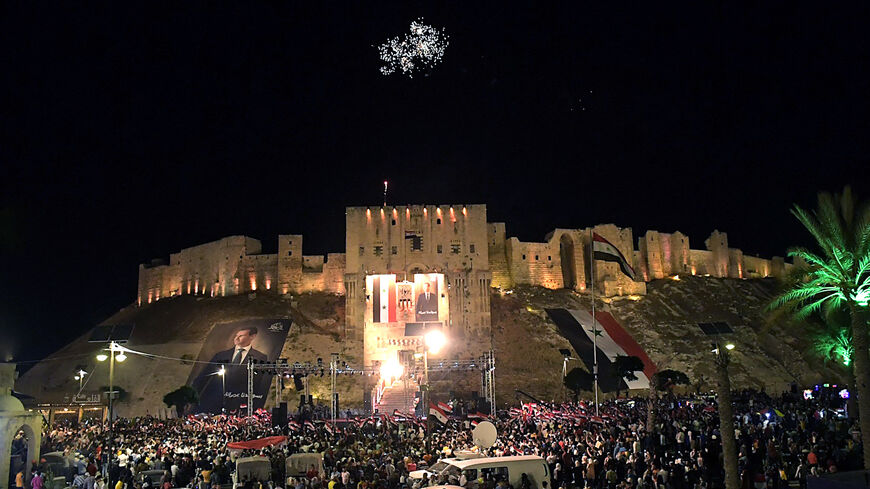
(422, 48)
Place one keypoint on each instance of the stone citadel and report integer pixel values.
(455, 241)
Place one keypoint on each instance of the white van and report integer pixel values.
(507, 468)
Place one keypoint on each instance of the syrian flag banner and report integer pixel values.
(609, 339)
(383, 292)
(445, 407)
(605, 251)
(477, 415)
(329, 429)
(437, 413)
(475, 423)
(310, 426)
(293, 425)
(400, 414)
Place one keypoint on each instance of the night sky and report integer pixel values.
(132, 131)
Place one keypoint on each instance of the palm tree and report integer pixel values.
(838, 276)
(832, 338)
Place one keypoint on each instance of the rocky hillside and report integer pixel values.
(176, 328)
(768, 355)
(526, 342)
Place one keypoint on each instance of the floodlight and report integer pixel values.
(435, 340)
(392, 369)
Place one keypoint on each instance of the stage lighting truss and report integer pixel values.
(302, 369)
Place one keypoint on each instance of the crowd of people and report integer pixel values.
(780, 441)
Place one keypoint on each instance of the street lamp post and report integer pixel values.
(726, 414)
(80, 376)
(566, 357)
(113, 347)
(433, 342)
(222, 374)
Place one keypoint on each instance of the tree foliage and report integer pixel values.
(840, 274)
(836, 277)
(579, 380)
(832, 337)
(667, 379)
(181, 398)
(625, 367)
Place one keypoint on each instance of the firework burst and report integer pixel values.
(420, 49)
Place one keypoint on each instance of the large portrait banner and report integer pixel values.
(228, 348)
(426, 291)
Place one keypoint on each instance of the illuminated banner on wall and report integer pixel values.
(231, 345)
(384, 305)
(426, 291)
(419, 301)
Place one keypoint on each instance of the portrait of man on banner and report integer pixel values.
(426, 307)
(221, 379)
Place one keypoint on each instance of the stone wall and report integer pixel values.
(416, 237)
(211, 269)
(452, 239)
(663, 255)
(323, 276)
(501, 276)
(235, 265)
(561, 261)
(290, 262)
(534, 263)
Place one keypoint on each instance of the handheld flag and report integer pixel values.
(437, 413)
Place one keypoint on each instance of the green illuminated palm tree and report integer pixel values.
(837, 276)
(835, 346)
(832, 338)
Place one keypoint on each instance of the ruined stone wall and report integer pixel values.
(501, 276)
(209, 269)
(235, 265)
(151, 283)
(259, 272)
(717, 243)
(534, 263)
(323, 276)
(454, 240)
(701, 262)
(333, 273)
(735, 263)
(679, 253)
(756, 267)
(562, 261)
(608, 277)
(289, 263)
(663, 255)
(568, 245)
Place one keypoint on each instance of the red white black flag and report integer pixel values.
(604, 250)
(437, 413)
(384, 299)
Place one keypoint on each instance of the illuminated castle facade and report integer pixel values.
(452, 248)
